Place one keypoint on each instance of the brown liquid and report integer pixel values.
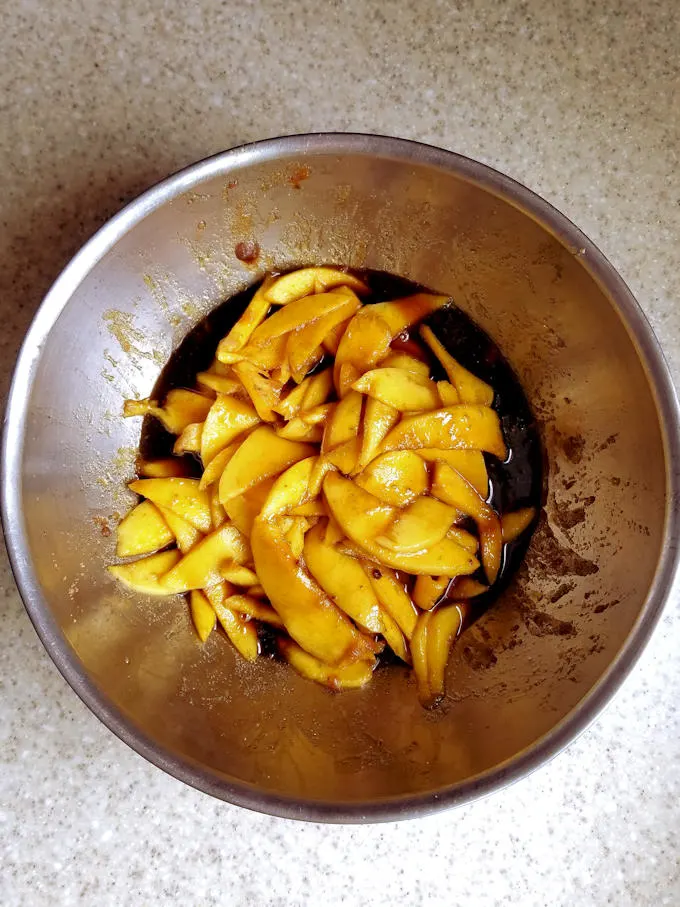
(515, 483)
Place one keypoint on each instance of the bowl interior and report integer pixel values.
(258, 733)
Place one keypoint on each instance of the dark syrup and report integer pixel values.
(516, 482)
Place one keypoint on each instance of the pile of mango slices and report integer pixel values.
(339, 486)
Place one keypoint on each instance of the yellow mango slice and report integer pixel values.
(393, 597)
(255, 313)
(395, 639)
(344, 579)
(331, 341)
(466, 587)
(144, 575)
(419, 654)
(298, 314)
(308, 614)
(462, 427)
(263, 391)
(304, 345)
(515, 523)
(428, 590)
(313, 391)
(401, 314)
(217, 512)
(345, 457)
(181, 408)
(295, 535)
(290, 490)
(252, 607)
(333, 533)
(365, 342)
(343, 422)
(163, 468)
(358, 517)
(185, 534)
(142, 531)
(421, 524)
(408, 363)
(469, 463)
(398, 388)
(239, 575)
(202, 566)
(218, 383)
(379, 420)
(448, 395)
(350, 676)
(290, 287)
(267, 356)
(244, 508)
(228, 418)
(262, 454)
(351, 505)
(463, 538)
(189, 441)
(299, 430)
(471, 389)
(213, 471)
(397, 477)
(444, 627)
(182, 496)
(241, 631)
(452, 488)
(311, 508)
(202, 614)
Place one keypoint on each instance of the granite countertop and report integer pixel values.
(580, 102)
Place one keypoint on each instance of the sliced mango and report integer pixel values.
(202, 614)
(144, 575)
(186, 534)
(401, 314)
(350, 676)
(395, 639)
(469, 463)
(181, 408)
(471, 389)
(419, 654)
(303, 282)
(219, 383)
(309, 615)
(255, 313)
(142, 531)
(444, 627)
(343, 422)
(515, 523)
(313, 391)
(241, 631)
(428, 590)
(397, 477)
(421, 524)
(228, 418)
(252, 607)
(244, 508)
(163, 468)
(407, 363)
(213, 471)
(344, 579)
(298, 314)
(365, 342)
(393, 597)
(398, 388)
(305, 345)
(290, 490)
(189, 441)
(182, 496)
(261, 455)
(468, 427)
(202, 566)
(379, 420)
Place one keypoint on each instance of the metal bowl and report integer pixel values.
(527, 677)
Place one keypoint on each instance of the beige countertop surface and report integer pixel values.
(578, 100)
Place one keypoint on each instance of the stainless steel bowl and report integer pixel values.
(528, 676)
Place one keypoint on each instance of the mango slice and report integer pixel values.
(308, 614)
(471, 389)
(241, 631)
(182, 496)
(202, 614)
(428, 590)
(344, 579)
(181, 408)
(379, 420)
(202, 566)
(463, 427)
(142, 531)
(261, 455)
(398, 388)
(396, 478)
(144, 575)
(255, 313)
(350, 676)
(393, 598)
(515, 523)
(290, 287)
(422, 524)
(228, 418)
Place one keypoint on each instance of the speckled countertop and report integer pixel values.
(98, 101)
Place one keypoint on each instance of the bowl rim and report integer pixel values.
(65, 659)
